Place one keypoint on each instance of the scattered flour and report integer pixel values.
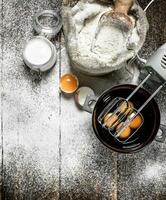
(153, 172)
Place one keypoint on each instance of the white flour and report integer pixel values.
(110, 41)
(111, 47)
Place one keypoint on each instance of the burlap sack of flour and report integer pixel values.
(110, 50)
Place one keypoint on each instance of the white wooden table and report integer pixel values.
(48, 148)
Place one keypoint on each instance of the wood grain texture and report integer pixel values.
(48, 148)
(30, 112)
(86, 163)
(143, 175)
(1, 105)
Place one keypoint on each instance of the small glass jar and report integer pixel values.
(47, 23)
(39, 53)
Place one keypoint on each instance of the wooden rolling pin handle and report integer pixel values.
(123, 6)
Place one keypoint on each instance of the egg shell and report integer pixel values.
(81, 94)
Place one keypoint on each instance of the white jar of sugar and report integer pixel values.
(39, 53)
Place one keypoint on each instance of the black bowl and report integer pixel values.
(147, 131)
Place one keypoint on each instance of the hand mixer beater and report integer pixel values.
(120, 117)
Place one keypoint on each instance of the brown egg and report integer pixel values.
(131, 108)
(68, 83)
(110, 122)
(126, 108)
(122, 107)
(136, 122)
(125, 133)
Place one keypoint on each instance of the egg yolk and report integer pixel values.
(136, 122)
(112, 120)
(125, 133)
(68, 83)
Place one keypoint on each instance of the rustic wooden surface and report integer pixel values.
(48, 148)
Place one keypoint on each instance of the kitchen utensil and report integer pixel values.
(146, 133)
(157, 62)
(115, 107)
(154, 63)
(144, 105)
(119, 17)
